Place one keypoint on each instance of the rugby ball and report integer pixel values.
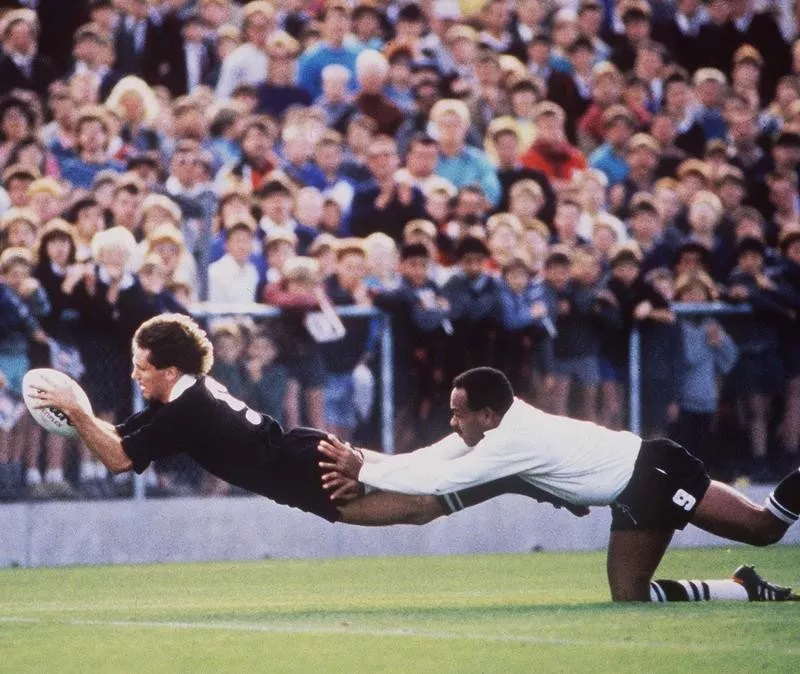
(52, 419)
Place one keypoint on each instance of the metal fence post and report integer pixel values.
(387, 385)
(635, 377)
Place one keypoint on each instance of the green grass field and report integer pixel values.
(546, 612)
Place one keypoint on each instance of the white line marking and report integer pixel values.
(345, 630)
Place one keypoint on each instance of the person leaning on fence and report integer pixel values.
(346, 287)
(709, 353)
(758, 375)
(420, 329)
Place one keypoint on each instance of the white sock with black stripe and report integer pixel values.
(662, 591)
(784, 501)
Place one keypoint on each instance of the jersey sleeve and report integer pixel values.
(434, 470)
(153, 435)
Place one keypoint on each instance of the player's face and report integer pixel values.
(154, 384)
(467, 423)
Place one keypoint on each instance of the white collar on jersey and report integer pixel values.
(181, 385)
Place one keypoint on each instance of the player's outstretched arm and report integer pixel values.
(100, 436)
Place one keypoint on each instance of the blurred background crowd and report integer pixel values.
(517, 184)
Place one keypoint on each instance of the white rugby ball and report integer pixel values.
(52, 419)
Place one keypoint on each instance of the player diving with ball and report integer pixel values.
(188, 412)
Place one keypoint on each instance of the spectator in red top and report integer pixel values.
(551, 152)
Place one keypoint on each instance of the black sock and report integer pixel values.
(784, 502)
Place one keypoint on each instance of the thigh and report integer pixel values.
(725, 512)
(633, 557)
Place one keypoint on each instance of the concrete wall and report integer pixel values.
(178, 530)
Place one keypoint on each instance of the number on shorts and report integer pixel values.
(684, 499)
(221, 393)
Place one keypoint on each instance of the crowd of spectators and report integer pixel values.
(517, 184)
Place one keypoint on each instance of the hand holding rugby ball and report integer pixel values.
(43, 385)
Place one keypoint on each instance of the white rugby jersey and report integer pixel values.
(578, 461)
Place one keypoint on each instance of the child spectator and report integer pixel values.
(346, 287)
(525, 342)
(758, 375)
(420, 326)
(298, 292)
(475, 309)
(505, 238)
(709, 353)
(234, 277)
(628, 288)
(661, 341)
(584, 311)
(267, 379)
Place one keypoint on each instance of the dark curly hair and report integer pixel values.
(175, 340)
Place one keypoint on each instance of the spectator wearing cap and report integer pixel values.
(92, 133)
(636, 18)
(790, 276)
(234, 278)
(385, 204)
(458, 162)
(462, 46)
(642, 154)
(746, 68)
(760, 30)
(606, 91)
(475, 307)
(709, 353)
(247, 64)
(332, 48)
(758, 375)
(646, 226)
(280, 92)
(610, 156)
(21, 66)
(372, 71)
(90, 55)
(709, 88)
(551, 152)
(511, 171)
(680, 34)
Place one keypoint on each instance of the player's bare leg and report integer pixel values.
(382, 508)
(633, 557)
(725, 512)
